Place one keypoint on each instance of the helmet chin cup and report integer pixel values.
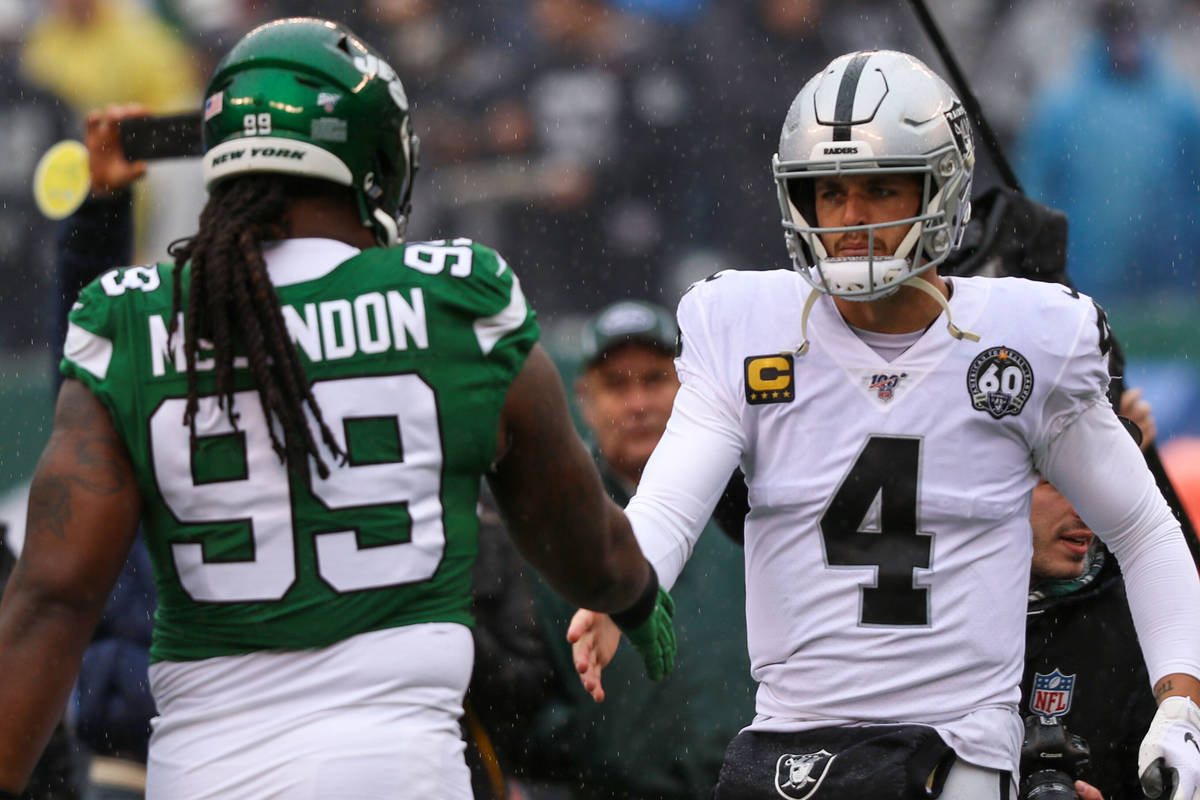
(859, 279)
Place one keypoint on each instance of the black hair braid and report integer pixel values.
(270, 396)
(217, 297)
(231, 299)
(256, 301)
(262, 295)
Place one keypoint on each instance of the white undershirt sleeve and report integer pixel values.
(683, 480)
(1096, 465)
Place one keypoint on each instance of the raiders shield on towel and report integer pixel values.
(883, 762)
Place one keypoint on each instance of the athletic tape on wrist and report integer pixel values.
(643, 607)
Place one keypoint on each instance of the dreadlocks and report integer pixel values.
(231, 299)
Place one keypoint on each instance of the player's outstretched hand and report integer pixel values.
(109, 169)
(594, 638)
(1169, 758)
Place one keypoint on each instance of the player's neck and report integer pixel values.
(907, 310)
(320, 218)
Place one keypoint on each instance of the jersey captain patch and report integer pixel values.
(769, 379)
(999, 381)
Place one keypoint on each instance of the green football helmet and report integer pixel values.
(305, 96)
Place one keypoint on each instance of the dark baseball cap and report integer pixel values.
(628, 321)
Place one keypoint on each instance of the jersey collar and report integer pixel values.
(291, 261)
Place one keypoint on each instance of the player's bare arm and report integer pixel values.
(84, 507)
(1177, 684)
(559, 516)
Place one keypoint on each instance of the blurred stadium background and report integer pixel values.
(615, 148)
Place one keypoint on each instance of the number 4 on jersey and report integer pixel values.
(887, 468)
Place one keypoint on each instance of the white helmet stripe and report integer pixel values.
(273, 154)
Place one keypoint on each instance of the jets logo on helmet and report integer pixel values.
(326, 106)
(370, 64)
(869, 113)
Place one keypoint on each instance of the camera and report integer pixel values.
(1051, 760)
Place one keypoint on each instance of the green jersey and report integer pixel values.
(410, 353)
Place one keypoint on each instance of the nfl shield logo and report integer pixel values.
(1052, 694)
(798, 777)
(886, 384)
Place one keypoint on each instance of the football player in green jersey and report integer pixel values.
(299, 412)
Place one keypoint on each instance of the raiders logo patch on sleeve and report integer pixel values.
(999, 381)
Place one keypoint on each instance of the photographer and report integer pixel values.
(1083, 667)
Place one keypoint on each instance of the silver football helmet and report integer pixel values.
(875, 111)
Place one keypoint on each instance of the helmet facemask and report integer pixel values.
(932, 232)
(386, 208)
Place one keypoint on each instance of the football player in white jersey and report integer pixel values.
(891, 425)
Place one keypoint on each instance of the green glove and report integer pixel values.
(655, 638)
(647, 625)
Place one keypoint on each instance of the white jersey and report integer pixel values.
(888, 544)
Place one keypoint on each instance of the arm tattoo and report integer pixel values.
(99, 468)
(101, 464)
(1164, 686)
(49, 506)
(84, 454)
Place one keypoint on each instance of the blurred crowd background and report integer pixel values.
(621, 148)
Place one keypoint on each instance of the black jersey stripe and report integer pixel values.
(843, 112)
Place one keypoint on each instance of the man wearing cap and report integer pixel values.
(650, 740)
(626, 387)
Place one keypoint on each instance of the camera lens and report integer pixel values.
(1048, 784)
